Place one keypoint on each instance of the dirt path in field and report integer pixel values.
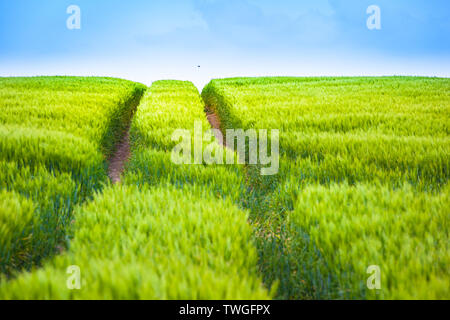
(214, 121)
(119, 158)
(123, 153)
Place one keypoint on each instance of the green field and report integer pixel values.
(363, 181)
(166, 232)
(56, 134)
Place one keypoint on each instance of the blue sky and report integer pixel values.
(147, 40)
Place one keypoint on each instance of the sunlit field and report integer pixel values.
(362, 190)
(363, 182)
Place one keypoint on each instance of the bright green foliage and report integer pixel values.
(363, 181)
(169, 106)
(57, 151)
(387, 137)
(403, 232)
(16, 221)
(166, 107)
(54, 197)
(55, 136)
(135, 243)
(96, 109)
(346, 129)
(166, 232)
(391, 105)
(155, 167)
(86, 115)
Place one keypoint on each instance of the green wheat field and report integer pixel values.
(363, 181)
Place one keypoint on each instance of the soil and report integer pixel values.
(119, 158)
(214, 121)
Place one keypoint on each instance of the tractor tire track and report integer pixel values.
(119, 158)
